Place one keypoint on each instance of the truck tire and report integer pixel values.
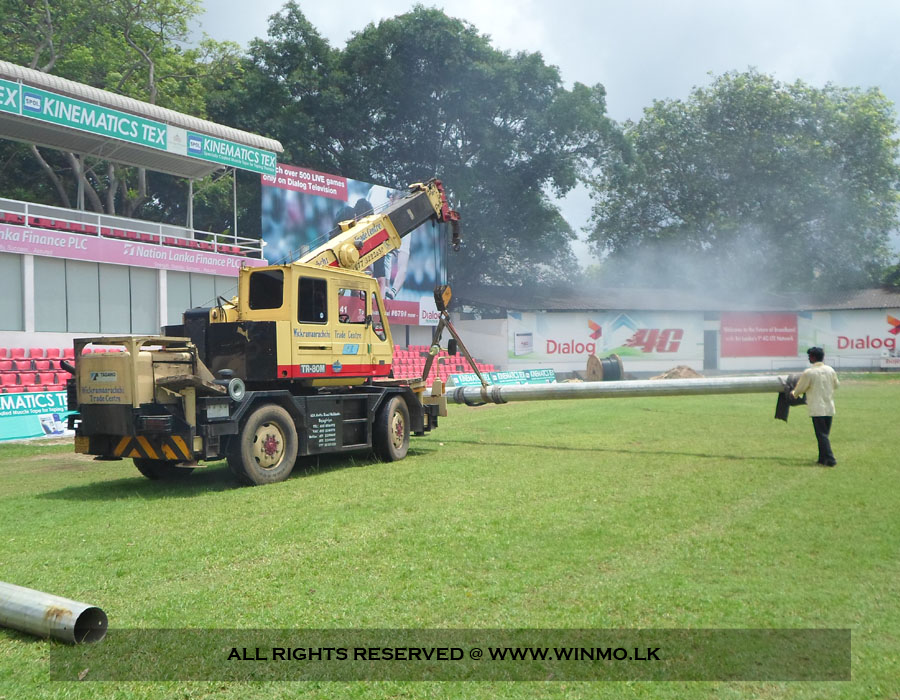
(390, 439)
(265, 449)
(161, 469)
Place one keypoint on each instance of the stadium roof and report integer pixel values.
(168, 155)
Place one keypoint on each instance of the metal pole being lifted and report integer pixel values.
(496, 393)
(47, 615)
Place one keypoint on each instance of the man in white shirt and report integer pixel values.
(818, 383)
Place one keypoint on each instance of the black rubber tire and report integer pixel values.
(390, 439)
(160, 469)
(265, 450)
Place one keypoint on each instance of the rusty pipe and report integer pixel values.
(506, 393)
(47, 615)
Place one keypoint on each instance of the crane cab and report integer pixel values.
(297, 323)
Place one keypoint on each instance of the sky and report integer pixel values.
(639, 50)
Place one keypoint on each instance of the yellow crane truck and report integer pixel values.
(297, 364)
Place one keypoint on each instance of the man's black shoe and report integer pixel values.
(829, 464)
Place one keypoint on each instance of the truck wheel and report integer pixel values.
(266, 447)
(160, 469)
(391, 430)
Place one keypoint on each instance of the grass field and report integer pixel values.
(693, 512)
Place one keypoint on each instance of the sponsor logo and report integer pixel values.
(570, 347)
(337, 367)
(889, 342)
(104, 376)
(656, 340)
(195, 144)
(596, 330)
(894, 323)
(32, 102)
(867, 343)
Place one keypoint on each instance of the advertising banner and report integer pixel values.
(46, 106)
(524, 376)
(79, 246)
(568, 337)
(858, 333)
(33, 414)
(301, 208)
(758, 334)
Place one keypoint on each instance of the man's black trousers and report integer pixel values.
(822, 426)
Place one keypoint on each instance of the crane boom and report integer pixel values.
(363, 241)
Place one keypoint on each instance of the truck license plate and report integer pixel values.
(217, 410)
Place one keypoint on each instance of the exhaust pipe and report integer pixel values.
(506, 393)
(47, 615)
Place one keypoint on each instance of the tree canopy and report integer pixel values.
(751, 183)
(422, 95)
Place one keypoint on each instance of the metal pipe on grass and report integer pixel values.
(47, 615)
(497, 393)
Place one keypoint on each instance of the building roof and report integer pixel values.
(874, 298)
(29, 130)
(610, 299)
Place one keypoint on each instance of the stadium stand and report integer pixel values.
(60, 219)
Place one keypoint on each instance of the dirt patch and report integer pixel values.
(61, 463)
(679, 372)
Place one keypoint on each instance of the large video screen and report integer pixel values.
(301, 209)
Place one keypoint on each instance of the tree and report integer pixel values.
(423, 95)
(435, 98)
(752, 184)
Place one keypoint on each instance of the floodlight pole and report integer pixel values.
(234, 200)
(190, 207)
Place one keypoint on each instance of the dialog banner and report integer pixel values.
(33, 414)
(524, 376)
(633, 335)
(301, 209)
(458, 655)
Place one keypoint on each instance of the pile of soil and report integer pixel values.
(679, 372)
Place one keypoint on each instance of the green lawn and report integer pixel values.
(693, 512)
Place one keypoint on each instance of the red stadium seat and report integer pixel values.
(22, 365)
(41, 365)
(53, 353)
(17, 353)
(69, 353)
(8, 379)
(46, 378)
(35, 353)
(6, 365)
(27, 379)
